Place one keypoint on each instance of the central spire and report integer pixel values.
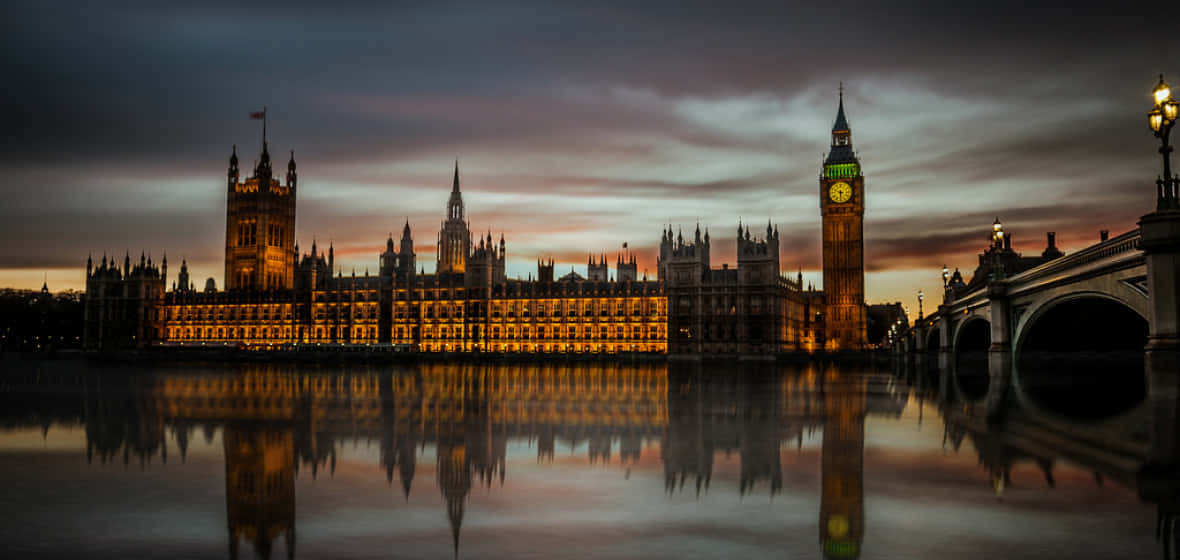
(455, 202)
(455, 188)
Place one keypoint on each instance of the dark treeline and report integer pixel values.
(39, 321)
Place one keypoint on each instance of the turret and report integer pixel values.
(263, 170)
(291, 177)
(545, 270)
(233, 168)
(406, 255)
(182, 280)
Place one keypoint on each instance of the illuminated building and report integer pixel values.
(260, 226)
(842, 204)
(277, 298)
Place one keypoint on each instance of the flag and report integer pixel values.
(258, 114)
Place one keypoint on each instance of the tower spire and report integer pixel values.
(841, 124)
(455, 187)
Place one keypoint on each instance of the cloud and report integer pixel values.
(578, 126)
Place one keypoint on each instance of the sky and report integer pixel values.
(578, 126)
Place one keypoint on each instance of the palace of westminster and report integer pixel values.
(276, 297)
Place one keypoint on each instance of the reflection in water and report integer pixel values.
(841, 515)
(275, 421)
(1032, 429)
(259, 486)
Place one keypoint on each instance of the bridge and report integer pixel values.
(1054, 306)
(1106, 316)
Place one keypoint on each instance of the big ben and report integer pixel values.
(842, 204)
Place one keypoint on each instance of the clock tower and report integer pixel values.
(842, 205)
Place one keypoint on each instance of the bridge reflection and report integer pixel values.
(276, 423)
(1011, 425)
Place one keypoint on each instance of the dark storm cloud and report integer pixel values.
(595, 121)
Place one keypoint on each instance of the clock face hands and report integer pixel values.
(840, 192)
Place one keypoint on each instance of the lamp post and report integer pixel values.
(1160, 118)
(1160, 241)
(946, 276)
(921, 296)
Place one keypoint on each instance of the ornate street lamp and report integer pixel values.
(946, 276)
(921, 296)
(1160, 118)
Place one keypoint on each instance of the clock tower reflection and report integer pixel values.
(841, 514)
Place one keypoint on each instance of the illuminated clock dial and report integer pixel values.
(837, 526)
(840, 192)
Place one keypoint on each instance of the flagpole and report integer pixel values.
(264, 126)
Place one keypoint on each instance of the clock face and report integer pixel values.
(840, 192)
(837, 526)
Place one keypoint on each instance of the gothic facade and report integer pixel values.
(260, 226)
(276, 297)
(842, 204)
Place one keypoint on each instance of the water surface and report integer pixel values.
(579, 460)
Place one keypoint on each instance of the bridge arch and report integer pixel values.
(933, 339)
(1119, 307)
(1081, 355)
(970, 372)
(973, 334)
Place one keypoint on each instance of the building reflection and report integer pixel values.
(276, 421)
(841, 512)
(260, 486)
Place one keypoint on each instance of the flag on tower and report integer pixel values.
(258, 114)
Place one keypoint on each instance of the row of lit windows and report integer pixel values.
(559, 347)
(541, 310)
(589, 333)
(345, 296)
(228, 333)
(230, 313)
(277, 334)
(338, 312)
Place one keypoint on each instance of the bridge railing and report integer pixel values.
(1125, 244)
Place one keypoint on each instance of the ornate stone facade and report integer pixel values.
(842, 204)
(277, 298)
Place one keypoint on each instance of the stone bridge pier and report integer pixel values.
(1160, 233)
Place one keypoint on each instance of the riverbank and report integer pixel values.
(387, 356)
